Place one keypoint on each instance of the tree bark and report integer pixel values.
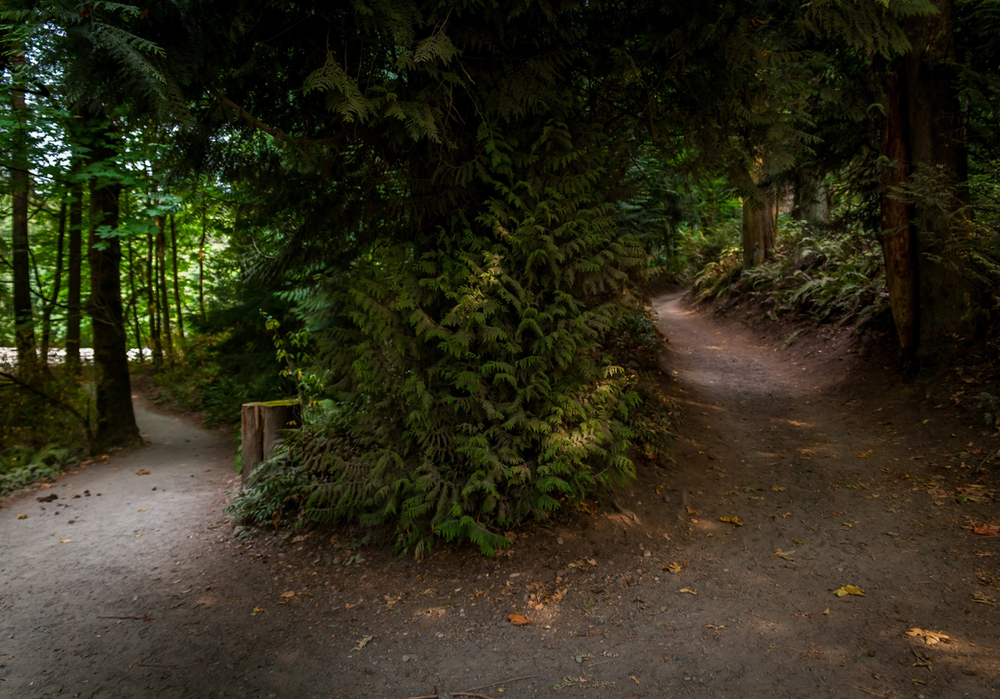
(949, 303)
(115, 415)
(24, 323)
(760, 228)
(73, 283)
(135, 299)
(201, 257)
(51, 303)
(161, 286)
(177, 288)
(897, 232)
(153, 305)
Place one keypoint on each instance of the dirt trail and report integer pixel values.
(853, 492)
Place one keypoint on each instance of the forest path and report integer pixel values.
(853, 490)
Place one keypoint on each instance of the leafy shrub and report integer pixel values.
(23, 465)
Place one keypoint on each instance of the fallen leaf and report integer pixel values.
(634, 679)
(674, 568)
(985, 529)
(258, 610)
(688, 591)
(714, 627)
(518, 619)
(350, 606)
(290, 593)
(787, 555)
(591, 561)
(778, 488)
(691, 510)
(826, 612)
(65, 541)
(734, 520)
(985, 554)
(849, 590)
(300, 538)
(930, 638)
(143, 509)
(22, 516)
(539, 607)
(807, 614)
(364, 642)
(142, 472)
(982, 598)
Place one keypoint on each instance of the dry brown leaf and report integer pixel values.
(142, 472)
(734, 520)
(982, 598)
(290, 593)
(985, 529)
(143, 509)
(826, 612)
(691, 510)
(518, 619)
(22, 516)
(688, 591)
(930, 637)
(714, 627)
(787, 555)
(364, 642)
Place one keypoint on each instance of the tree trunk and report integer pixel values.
(263, 426)
(201, 257)
(177, 288)
(24, 323)
(153, 305)
(161, 285)
(760, 228)
(135, 299)
(73, 287)
(949, 304)
(115, 415)
(897, 231)
(812, 200)
(56, 287)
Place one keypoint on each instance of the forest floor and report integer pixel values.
(133, 584)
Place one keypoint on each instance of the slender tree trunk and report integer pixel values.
(201, 257)
(24, 323)
(161, 283)
(897, 231)
(760, 228)
(115, 415)
(135, 299)
(153, 305)
(73, 285)
(177, 288)
(56, 287)
(812, 200)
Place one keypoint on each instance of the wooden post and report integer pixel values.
(263, 427)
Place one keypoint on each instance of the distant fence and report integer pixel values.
(8, 356)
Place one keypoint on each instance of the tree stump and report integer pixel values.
(263, 427)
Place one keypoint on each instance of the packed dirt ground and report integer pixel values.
(825, 531)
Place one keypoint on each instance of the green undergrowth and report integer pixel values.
(819, 275)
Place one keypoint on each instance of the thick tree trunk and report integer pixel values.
(949, 304)
(24, 323)
(161, 286)
(56, 287)
(263, 427)
(153, 305)
(760, 228)
(897, 231)
(177, 288)
(73, 283)
(115, 415)
(812, 200)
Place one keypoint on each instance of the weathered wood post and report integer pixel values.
(263, 427)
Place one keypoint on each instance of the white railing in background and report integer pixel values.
(8, 356)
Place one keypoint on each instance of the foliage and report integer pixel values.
(21, 466)
(819, 274)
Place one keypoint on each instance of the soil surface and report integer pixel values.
(133, 584)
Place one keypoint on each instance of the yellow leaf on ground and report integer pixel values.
(826, 612)
(22, 516)
(787, 555)
(674, 568)
(778, 488)
(258, 610)
(930, 637)
(518, 619)
(65, 541)
(688, 591)
(849, 590)
(734, 520)
(143, 509)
